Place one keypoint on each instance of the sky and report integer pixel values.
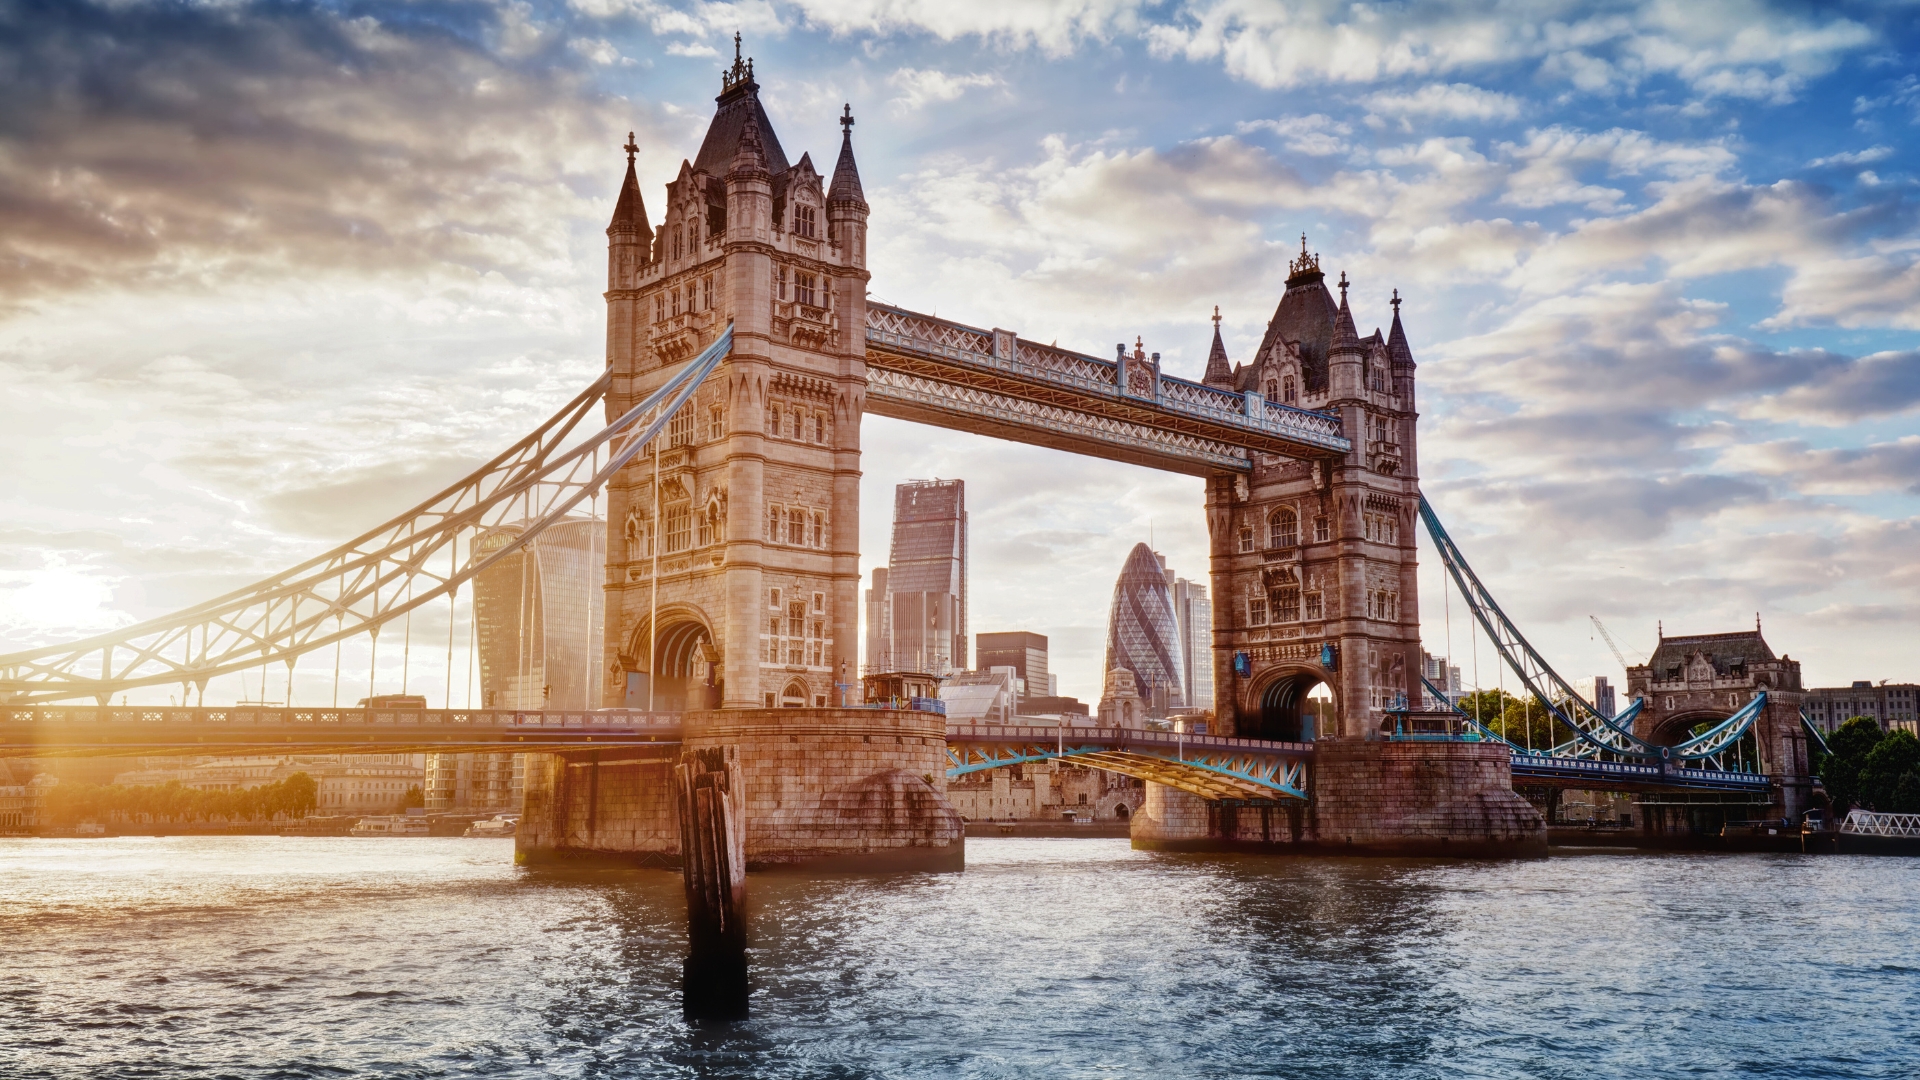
(271, 272)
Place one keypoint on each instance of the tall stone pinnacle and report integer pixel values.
(1219, 371)
(845, 186)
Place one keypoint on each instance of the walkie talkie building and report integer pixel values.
(1143, 636)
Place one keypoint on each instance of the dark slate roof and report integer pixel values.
(1305, 315)
(1721, 649)
(729, 120)
(1397, 341)
(846, 175)
(630, 211)
(1344, 334)
(1219, 372)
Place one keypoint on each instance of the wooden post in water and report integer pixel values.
(714, 979)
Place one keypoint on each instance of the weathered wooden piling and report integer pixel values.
(714, 868)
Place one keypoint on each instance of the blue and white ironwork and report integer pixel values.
(1212, 767)
(378, 577)
(931, 370)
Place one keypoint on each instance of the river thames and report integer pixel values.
(298, 957)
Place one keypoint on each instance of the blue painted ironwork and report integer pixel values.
(1211, 767)
(1819, 737)
(1593, 733)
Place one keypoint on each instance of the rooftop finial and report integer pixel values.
(1396, 302)
(742, 70)
(1305, 263)
(631, 148)
(846, 120)
(1343, 288)
(1216, 317)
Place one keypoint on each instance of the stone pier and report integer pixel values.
(825, 789)
(1367, 798)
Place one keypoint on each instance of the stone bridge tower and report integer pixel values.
(1703, 679)
(1313, 562)
(733, 562)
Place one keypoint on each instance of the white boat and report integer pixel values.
(389, 825)
(498, 825)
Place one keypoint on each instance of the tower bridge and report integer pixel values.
(742, 353)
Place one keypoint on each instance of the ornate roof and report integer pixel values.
(1305, 315)
(739, 100)
(1721, 650)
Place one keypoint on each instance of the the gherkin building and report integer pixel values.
(1142, 634)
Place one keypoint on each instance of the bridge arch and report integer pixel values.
(1285, 707)
(681, 663)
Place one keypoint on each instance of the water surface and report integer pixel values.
(312, 957)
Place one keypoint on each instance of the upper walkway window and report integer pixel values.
(1283, 528)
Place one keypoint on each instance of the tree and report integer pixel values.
(415, 798)
(1848, 749)
(1520, 721)
(1890, 774)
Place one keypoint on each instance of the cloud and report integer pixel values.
(918, 87)
(175, 147)
(1551, 160)
(1456, 101)
(1729, 48)
(1883, 384)
(1871, 290)
(1869, 470)
(1856, 157)
(1316, 135)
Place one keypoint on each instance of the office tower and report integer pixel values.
(879, 654)
(1025, 653)
(1193, 611)
(927, 577)
(1143, 636)
(538, 616)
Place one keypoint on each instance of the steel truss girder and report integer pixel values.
(1085, 389)
(375, 578)
(923, 399)
(1210, 773)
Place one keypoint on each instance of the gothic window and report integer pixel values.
(774, 518)
(796, 526)
(676, 243)
(659, 307)
(679, 531)
(1373, 604)
(1256, 609)
(1320, 529)
(680, 428)
(693, 239)
(716, 423)
(819, 603)
(803, 221)
(1246, 537)
(674, 296)
(1286, 391)
(708, 519)
(1286, 604)
(639, 538)
(773, 600)
(803, 289)
(706, 290)
(1314, 607)
(819, 525)
(1283, 528)
(773, 420)
(780, 282)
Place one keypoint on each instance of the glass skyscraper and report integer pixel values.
(1194, 612)
(924, 621)
(1143, 634)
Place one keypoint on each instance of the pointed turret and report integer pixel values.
(630, 211)
(1345, 337)
(1305, 315)
(1219, 371)
(1397, 349)
(846, 175)
(750, 160)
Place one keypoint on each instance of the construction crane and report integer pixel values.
(1608, 638)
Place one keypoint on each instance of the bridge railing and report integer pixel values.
(1119, 737)
(621, 720)
(1056, 367)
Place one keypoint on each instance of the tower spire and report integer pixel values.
(1397, 350)
(1219, 371)
(630, 210)
(845, 186)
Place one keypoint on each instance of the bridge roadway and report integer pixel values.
(1212, 767)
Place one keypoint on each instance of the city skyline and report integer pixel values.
(200, 398)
